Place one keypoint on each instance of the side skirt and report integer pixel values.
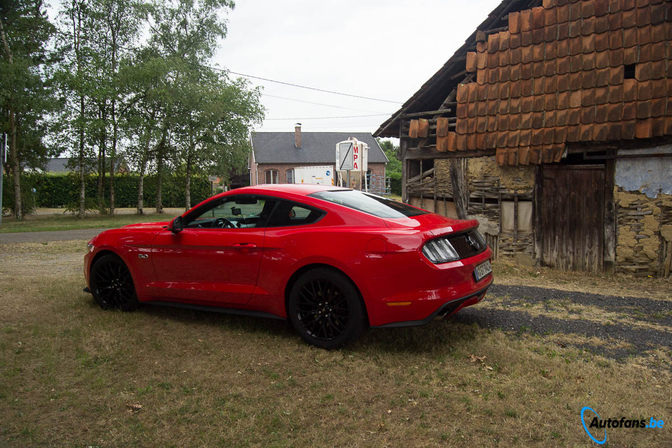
(216, 309)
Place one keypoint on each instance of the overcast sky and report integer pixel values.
(373, 48)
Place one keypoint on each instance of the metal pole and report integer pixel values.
(3, 144)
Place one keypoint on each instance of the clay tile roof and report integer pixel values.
(564, 72)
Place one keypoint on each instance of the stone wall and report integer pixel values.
(644, 232)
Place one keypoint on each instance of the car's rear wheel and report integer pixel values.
(325, 308)
(112, 285)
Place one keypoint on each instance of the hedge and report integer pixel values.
(62, 190)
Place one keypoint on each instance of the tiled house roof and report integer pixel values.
(316, 147)
(565, 72)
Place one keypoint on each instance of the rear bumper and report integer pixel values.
(445, 310)
(415, 290)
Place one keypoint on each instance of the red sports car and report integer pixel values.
(332, 260)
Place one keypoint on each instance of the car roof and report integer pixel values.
(296, 189)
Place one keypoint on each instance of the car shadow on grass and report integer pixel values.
(233, 322)
(436, 337)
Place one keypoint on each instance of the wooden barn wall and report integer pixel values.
(492, 189)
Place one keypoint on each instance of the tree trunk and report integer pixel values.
(82, 171)
(112, 170)
(141, 185)
(101, 179)
(458, 179)
(113, 156)
(187, 189)
(102, 166)
(16, 165)
(159, 169)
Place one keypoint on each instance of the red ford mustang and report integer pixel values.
(332, 260)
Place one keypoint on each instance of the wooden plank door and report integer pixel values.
(571, 211)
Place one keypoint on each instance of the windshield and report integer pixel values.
(369, 203)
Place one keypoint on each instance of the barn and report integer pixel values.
(552, 125)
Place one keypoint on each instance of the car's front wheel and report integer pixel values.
(325, 308)
(112, 285)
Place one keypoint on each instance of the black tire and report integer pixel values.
(325, 309)
(112, 285)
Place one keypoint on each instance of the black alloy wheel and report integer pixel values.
(325, 308)
(112, 285)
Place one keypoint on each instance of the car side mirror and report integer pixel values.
(177, 225)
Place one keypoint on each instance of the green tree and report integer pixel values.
(393, 168)
(146, 125)
(97, 40)
(215, 135)
(117, 25)
(25, 98)
(75, 83)
(208, 117)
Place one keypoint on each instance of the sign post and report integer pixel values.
(212, 180)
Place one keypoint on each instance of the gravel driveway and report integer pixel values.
(658, 313)
(46, 237)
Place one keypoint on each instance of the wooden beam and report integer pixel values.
(421, 176)
(430, 152)
(403, 144)
(429, 112)
(610, 220)
(459, 182)
(536, 211)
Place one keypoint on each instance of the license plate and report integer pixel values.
(482, 270)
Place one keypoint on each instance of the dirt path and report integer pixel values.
(625, 326)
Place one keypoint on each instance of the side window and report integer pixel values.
(292, 214)
(232, 213)
(289, 176)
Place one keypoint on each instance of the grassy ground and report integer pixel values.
(74, 375)
(67, 221)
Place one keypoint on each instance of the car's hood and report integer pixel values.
(437, 224)
(147, 225)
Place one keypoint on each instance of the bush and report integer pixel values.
(28, 199)
(62, 190)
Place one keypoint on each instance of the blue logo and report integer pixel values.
(599, 442)
(328, 173)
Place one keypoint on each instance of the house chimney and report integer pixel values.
(297, 135)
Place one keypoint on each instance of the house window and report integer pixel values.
(290, 176)
(271, 176)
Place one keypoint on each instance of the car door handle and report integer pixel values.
(241, 246)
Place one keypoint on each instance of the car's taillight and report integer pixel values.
(440, 251)
(454, 247)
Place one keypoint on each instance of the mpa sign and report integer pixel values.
(352, 155)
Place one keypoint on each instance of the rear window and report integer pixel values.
(369, 203)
